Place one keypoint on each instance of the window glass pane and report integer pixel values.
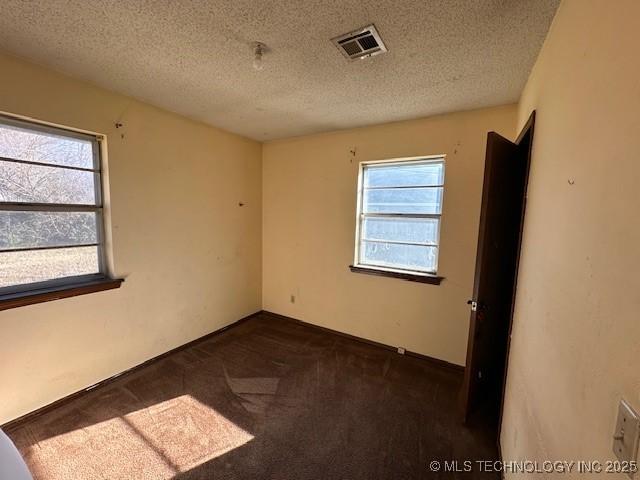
(421, 230)
(19, 268)
(403, 200)
(46, 229)
(411, 174)
(393, 255)
(39, 184)
(22, 144)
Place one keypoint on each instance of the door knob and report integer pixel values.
(475, 305)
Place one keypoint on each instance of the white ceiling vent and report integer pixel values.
(362, 43)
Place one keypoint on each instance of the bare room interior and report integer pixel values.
(319, 239)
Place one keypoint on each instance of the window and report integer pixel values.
(51, 219)
(399, 210)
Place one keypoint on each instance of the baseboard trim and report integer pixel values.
(13, 424)
(459, 369)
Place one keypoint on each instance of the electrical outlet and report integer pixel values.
(401, 350)
(627, 434)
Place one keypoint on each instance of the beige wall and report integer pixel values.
(190, 255)
(576, 340)
(309, 201)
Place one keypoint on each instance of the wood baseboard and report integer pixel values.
(459, 369)
(15, 423)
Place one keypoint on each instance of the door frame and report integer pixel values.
(526, 135)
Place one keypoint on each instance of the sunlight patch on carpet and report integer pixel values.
(158, 441)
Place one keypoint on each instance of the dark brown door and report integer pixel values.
(501, 218)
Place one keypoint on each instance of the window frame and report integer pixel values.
(78, 284)
(406, 274)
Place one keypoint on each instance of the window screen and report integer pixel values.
(50, 206)
(400, 205)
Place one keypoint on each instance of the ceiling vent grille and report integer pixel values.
(362, 43)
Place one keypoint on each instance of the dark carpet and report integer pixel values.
(267, 399)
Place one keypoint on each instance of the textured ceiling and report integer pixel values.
(194, 57)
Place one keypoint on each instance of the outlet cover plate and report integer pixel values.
(627, 434)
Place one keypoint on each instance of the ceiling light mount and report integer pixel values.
(259, 50)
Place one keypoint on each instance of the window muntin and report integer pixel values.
(51, 221)
(399, 212)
